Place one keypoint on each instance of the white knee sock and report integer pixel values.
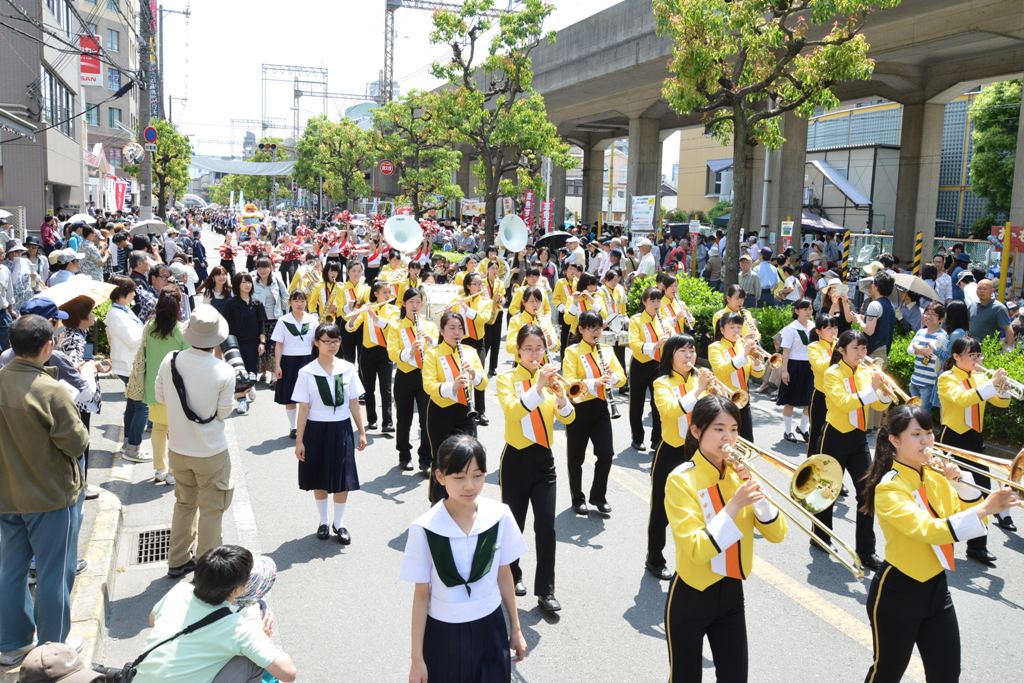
(804, 420)
(321, 507)
(789, 423)
(339, 515)
(291, 413)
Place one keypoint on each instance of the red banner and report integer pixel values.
(1016, 237)
(90, 72)
(528, 208)
(546, 209)
(120, 186)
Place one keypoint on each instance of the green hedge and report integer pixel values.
(99, 331)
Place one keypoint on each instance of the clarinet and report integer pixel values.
(418, 333)
(612, 404)
(470, 398)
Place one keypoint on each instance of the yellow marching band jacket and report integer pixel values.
(402, 337)
(530, 412)
(580, 303)
(644, 334)
(819, 354)
(711, 545)
(849, 396)
(440, 369)
(732, 365)
(675, 397)
(524, 318)
(375, 321)
(583, 362)
(963, 397)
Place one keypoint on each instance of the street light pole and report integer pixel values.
(146, 166)
(187, 12)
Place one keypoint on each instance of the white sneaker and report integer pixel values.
(135, 454)
(14, 657)
(170, 480)
(252, 394)
(163, 478)
(75, 642)
(243, 406)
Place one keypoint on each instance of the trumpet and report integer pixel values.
(1014, 471)
(774, 360)
(575, 390)
(470, 395)
(889, 386)
(1009, 386)
(814, 487)
(720, 388)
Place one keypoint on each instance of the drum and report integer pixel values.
(438, 298)
(609, 338)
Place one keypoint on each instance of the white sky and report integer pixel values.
(216, 60)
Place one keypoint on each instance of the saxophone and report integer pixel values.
(470, 398)
(605, 370)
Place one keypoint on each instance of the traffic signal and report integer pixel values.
(268, 147)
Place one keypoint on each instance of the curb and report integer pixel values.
(92, 588)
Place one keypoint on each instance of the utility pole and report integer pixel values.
(187, 12)
(146, 167)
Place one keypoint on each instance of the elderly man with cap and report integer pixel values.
(966, 287)
(647, 265)
(21, 271)
(198, 399)
(69, 263)
(41, 442)
(576, 254)
(749, 281)
(170, 245)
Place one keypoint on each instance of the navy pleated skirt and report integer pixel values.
(330, 463)
(470, 652)
(290, 366)
(801, 385)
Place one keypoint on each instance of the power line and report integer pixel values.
(120, 93)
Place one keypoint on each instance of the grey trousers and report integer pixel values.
(239, 669)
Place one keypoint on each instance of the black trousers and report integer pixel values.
(563, 334)
(492, 345)
(478, 396)
(409, 396)
(666, 459)
(817, 415)
(442, 423)
(592, 425)
(375, 367)
(969, 441)
(715, 612)
(528, 478)
(851, 450)
(620, 354)
(746, 429)
(350, 341)
(641, 382)
(905, 612)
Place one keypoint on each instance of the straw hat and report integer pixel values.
(206, 328)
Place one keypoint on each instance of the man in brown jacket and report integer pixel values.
(41, 442)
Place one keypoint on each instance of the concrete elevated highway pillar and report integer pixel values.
(1017, 197)
(593, 184)
(557, 197)
(644, 168)
(917, 190)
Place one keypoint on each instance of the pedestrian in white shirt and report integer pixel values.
(943, 282)
(647, 265)
(576, 253)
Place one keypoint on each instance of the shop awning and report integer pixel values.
(841, 183)
(717, 165)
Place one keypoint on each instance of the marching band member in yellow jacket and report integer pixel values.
(561, 299)
(819, 353)
(713, 509)
(468, 266)
(475, 307)
(533, 279)
(851, 390)
(615, 302)
(493, 289)
(414, 281)
(734, 363)
(354, 293)
(532, 400)
(675, 393)
(646, 337)
(584, 299)
(450, 370)
(408, 342)
(599, 371)
(963, 395)
(531, 314)
(374, 364)
(734, 297)
(327, 299)
(922, 511)
(672, 310)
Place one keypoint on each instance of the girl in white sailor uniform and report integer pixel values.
(327, 391)
(458, 554)
(293, 338)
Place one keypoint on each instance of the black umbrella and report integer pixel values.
(554, 240)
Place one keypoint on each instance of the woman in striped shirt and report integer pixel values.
(928, 347)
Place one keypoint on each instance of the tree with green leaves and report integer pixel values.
(336, 152)
(995, 114)
(491, 104)
(409, 133)
(742, 64)
(170, 163)
(258, 187)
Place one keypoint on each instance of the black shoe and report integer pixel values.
(843, 493)
(178, 572)
(482, 420)
(791, 437)
(548, 603)
(425, 469)
(492, 373)
(520, 588)
(581, 509)
(405, 465)
(637, 445)
(818, 548)
(660, 573)
(322, 532)
(372, 426)
(291, 434)
(602, 508)
(870, 561)
(1005, 523)
(387, 428)
(343, 536)
(624, 391)
(803, 435)
(982, 555)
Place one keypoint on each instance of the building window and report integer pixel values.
(92, 114)
(113, 117)
(58, 103)
(114, 156)
(713, 183)
(113, 79)
(61, 10)
(113, 40)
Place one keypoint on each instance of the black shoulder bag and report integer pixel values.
(127, 673)
(179, 386)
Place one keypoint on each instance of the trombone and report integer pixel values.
(814, 487)
(1010, 386)
(889, 385)
(1013, 472)
(720, 388)
(774, 360)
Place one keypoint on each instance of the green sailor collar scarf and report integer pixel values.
(332, 390)
(440, 527)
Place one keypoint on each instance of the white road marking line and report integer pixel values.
(241, 505)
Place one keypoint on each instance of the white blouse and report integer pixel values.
(455, 605)
(306, 390)
(295, 345)
(791, 339)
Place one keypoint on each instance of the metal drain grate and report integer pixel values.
(152, 546)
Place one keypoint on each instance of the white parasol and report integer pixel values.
(82, 218)
(150, 226)
(80, 285)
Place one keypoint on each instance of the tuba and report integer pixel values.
(513, 233)
(403, 233)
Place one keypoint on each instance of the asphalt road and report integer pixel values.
(343, 615)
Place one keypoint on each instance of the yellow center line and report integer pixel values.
(856, 630)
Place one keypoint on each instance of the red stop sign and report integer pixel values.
(387, 168)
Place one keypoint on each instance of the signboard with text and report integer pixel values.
(89, 69)
(472, 207)
(546, 209)
(642, 215)
(528, 201)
